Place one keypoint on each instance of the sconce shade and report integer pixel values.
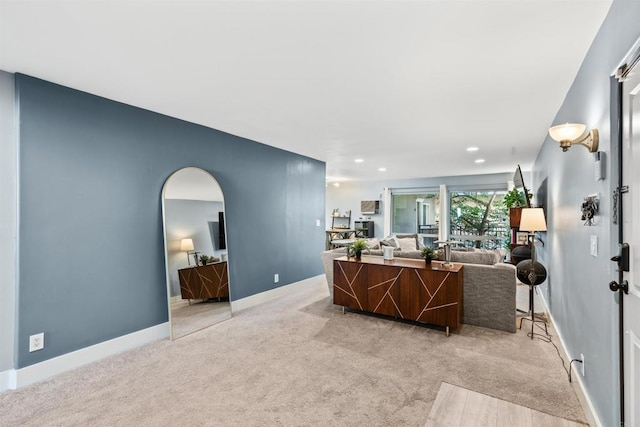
(532, 220)
(567, 132)
(186, 245)
(574, 133)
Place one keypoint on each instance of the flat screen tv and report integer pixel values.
(518, 182)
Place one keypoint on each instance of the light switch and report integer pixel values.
(317, 223)
(594, 246)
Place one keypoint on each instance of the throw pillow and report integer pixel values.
(389, 241)
(407, 244)
(414, 236)
(373, 243)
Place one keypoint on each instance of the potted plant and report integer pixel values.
(428, 254)
(359, 246)
(204, 259)
(514, 199)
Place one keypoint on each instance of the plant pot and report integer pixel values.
(358, 255)
(427, 261)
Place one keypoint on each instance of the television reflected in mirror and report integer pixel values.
(518, 182)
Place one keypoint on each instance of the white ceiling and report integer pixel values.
(407, 85)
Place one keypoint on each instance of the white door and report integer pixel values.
(631, 209)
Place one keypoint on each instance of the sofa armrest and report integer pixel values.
(327, 261)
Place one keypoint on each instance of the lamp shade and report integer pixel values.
(532, 220)
(186, 245)
(567, 132)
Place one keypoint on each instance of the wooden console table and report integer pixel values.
(204, 282)
(402, 288)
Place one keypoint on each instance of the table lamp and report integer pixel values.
(187, 245)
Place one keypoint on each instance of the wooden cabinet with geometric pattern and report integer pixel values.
(402, 288)
(204, 282)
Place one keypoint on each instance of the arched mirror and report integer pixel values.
(195, 250)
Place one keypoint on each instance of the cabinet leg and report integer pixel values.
(343, 309)
(447, 330)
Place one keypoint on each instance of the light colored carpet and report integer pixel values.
(297, 361)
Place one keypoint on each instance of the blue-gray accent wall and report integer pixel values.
(583, 308)
(91, 247)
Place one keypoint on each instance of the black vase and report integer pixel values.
(427, 261)
(358, 255)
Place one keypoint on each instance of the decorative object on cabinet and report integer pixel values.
(520, 253)
(514, 199)
(517, 242)
(357, 248)
(522, 238)
(364, 229)
(343, 220)
(187, 246)
(589, 209)
(575, 134)
(428, 254)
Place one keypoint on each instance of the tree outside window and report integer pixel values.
(479, 218)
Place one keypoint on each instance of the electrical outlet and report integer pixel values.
(594, 246)
(276, 278)
(36, 342)
(582, 364)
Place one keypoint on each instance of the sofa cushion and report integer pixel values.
(476, 257)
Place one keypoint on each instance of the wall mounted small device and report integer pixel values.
(370, 207)
(599, 158)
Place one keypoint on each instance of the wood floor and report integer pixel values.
(456, 406)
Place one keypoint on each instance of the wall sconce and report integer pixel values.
(574, 133)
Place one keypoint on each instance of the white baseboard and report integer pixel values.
(7, 380)
(17, 378)
(581, 391)
(270, 295)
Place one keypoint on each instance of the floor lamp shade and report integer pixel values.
(532, 220)
(186, 245)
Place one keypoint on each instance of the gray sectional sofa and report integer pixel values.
(489, 287)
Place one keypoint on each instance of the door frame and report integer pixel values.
(630, 62)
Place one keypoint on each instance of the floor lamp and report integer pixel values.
(531, 271)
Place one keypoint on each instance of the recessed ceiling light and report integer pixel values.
(336, 184)
(480, 161)
(382, 169)
(472, 149)
(359, 160)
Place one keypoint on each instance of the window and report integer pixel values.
(479, 218)
(416, 213)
